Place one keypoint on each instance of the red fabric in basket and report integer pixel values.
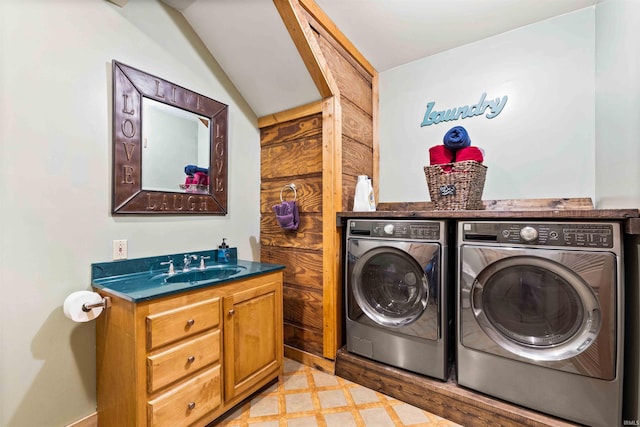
(469, 153)
(439, 155)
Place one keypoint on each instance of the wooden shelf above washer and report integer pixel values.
(529, 209)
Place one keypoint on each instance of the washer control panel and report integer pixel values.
(418, 230)
(590, 235)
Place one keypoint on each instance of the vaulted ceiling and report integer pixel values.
(252, 45)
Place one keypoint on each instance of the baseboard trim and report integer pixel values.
(317, 362)
(445, 399)
(88, 421)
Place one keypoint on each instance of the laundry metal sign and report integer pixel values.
(492, 107)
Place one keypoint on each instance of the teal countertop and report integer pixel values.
(144, 279)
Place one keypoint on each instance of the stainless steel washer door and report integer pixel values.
(390, 287)
(394, 285)
(536, 308)
(555, 308)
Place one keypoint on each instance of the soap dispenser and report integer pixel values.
(223, 252)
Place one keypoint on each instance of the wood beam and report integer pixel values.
(307, 45)
(331, 204)
(292, 114)
(314, 10)
(376, 136)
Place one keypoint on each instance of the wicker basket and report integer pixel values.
(456, 186)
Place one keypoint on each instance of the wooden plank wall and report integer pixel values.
(356, 100)
(291, 153)
(355, 104)
(322, 154)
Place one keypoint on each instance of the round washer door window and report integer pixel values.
(536, 308)
(390, 286)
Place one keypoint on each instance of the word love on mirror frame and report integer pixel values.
(130, 87)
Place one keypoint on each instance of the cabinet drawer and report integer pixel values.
(181, 360)
(183, 405)
(174, 325)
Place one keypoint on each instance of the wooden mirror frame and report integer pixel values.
(130, 86)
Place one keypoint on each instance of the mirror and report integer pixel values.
(173, 139)
(169, 147)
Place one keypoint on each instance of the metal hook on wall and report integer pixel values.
(291, 187)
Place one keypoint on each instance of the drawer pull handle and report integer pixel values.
(191, 405)
(190, 322)
(232, 312)
(191, 359)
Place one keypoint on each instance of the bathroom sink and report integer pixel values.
(208, 275)
(144, 279)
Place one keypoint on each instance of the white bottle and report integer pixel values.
(371, 199)
(361, 198)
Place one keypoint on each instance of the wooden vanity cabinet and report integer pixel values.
(187, 358)
(252, 337)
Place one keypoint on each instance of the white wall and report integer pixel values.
(618, 104)
(618, 154)
(541, 145)
(55, 186)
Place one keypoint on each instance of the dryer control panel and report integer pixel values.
(418, 230)
(590, 235)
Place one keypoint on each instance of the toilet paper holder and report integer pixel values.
(105, 303)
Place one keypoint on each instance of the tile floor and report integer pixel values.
(306, 397)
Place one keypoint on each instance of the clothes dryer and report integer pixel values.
(539, 311)
(396, 296)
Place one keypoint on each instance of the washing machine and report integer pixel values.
(540, 316)
(396, 296)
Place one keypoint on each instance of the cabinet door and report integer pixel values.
(252, 337)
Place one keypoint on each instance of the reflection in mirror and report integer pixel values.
(175, 149)
(169, 147)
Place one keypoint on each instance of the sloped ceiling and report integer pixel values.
(390, 33)
(252, 45)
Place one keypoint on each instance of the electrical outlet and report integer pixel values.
(119, 249)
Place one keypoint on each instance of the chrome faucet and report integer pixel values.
(187, 261)
(170, 264)
(202, 258)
